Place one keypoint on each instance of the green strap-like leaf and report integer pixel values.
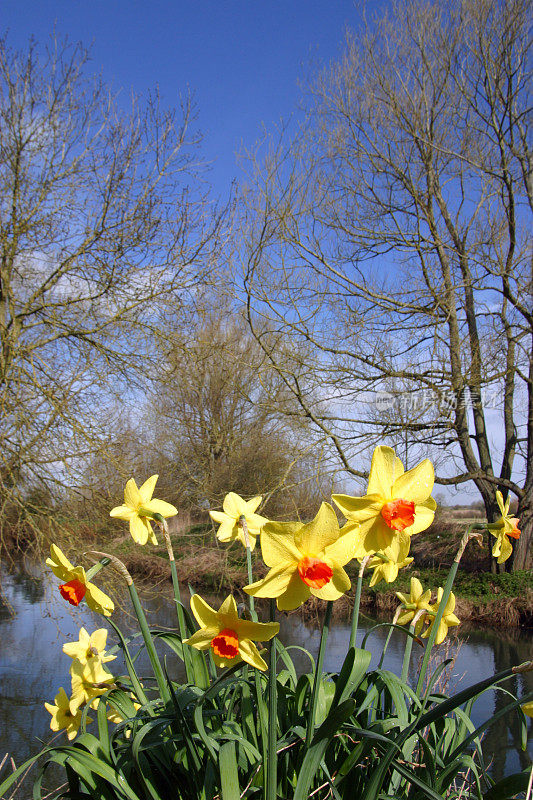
(229, 776)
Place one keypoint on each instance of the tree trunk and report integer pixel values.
(521, 558)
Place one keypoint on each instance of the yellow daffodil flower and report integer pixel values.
(228, 636)
(305, 559)
(89, 681)
(76, 586)
(504, 527)
(89, 648)
(396, 501)
(116, 717)
(235, 508)
(417, 600)
(397, 557)
(62, 716)
(448, 620)
(139, 506)
(527, 708)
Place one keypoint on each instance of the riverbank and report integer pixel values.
(495, 600)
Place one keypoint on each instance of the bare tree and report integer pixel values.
(391, 235)
(217, 419)
(103, 219)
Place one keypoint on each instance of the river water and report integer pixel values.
(35, 622)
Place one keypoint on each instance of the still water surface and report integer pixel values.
(35, 622)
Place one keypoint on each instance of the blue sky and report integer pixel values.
(242, 59)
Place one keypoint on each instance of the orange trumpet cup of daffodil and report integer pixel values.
(230, 638)
(76, 587)
(396, 502)
(305, 559)
(139, 506)
(234, 507)
(504, 527)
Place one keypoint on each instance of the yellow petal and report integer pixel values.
(223, 663)
(74, 649)
(274, 583)
(147, 489)
(255, 523)
(122, 512)
(450, 605)
(506, 549)
(406, 617)
(253, 504)
(316, 535)
(140, 529)
(378, 536)
(98, 601)
(99, 639)
(228, 530)
(359, 509)
(296, 593)
(203, 613)
(416, 590)
(219, 516)
(424, 515)
(416, 484)
(229, 607)
(249, 653)
(384, 470)
(61, 699)
(442, 632)
(234, 506)
(202, 639)
(377, 575)
(59, 563)
(345, 548)
(258, 631)
(390, 571)
(132, 496)
(278, 544)
(160, 507)
(527, 708)
(337, 586)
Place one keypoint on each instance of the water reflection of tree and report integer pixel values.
(508, 651)
(30, 588)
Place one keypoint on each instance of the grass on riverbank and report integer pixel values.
(497, 600)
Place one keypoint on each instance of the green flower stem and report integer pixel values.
(143, 624)
(387, 640)
(409, 644)
(357, 601)
(149, 642)
(177, 597)
(95, 569)
(272, 765)
(471, 533)
(243, 524)
(318, 674)
(135, 682)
